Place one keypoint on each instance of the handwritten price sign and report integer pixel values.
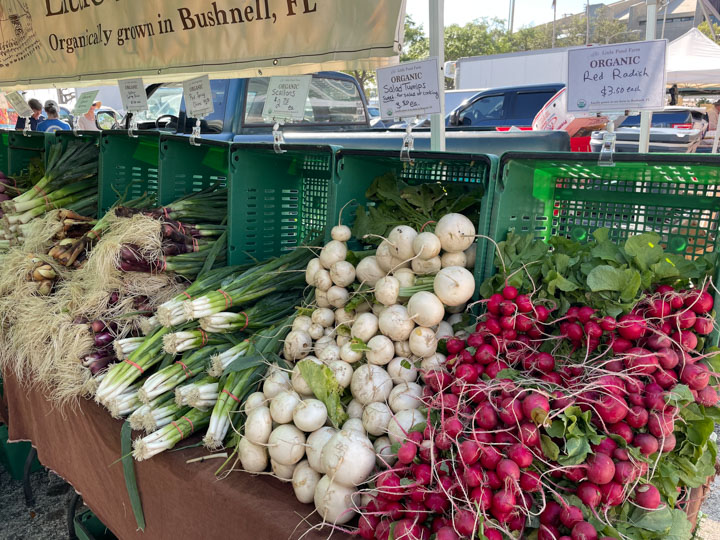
(198, 97)
(132, 93)
(411, 89)
(18, 103)
(625, 76)
(286, 97)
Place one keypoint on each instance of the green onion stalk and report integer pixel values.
(167, 437)
(171, 312)
(126, 346)
(122, 374)
(184, 369)
(200, 394)
(161, 416)
(242, 376)
(186, 340)
(276, 275)
(137, 418)
(265, 313)
(126, 403)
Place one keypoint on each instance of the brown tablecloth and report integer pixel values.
(180, 500)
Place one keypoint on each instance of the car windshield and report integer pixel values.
(165, 100)
(665, 119)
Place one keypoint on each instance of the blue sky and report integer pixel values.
(527, 12)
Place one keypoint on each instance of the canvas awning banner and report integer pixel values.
(83, 42)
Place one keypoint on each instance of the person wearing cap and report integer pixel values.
(87, 121)
(53, 123)
(713, 114)
(35, 119)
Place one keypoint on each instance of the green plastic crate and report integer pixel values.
(24, 147)
(568, 194)
(358, 168)
(4, 151)
(14, 455)
(128, 166)
(277, 200)
(89, 527)
(185, 168)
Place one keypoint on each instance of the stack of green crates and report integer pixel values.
(14, 455)
(89, 527)
(4, 151)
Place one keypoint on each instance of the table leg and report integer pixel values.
(27, 488)
(72, 508)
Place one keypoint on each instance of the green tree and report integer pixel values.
(607, 29)
(705, 29)
(417, 44)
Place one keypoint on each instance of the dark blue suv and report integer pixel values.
(503, 107)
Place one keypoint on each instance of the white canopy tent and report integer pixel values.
(694, 60)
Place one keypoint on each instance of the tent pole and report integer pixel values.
(646, 116)
(437, 49)
(716, 141)
(709, 21)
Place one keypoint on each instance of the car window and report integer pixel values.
(164, 100)
(661, 119)
(485, 108)
(528, 104)
(330, 101)
(213, 123)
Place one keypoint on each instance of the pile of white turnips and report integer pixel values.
(378, 350)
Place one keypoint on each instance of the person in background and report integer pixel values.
(53, 123)
(713, 114)
(36, 107)
(87, 121)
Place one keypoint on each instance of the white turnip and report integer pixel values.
(386, 290)
(354, 424)
(426, 245)
(348, 457)
(368, 271)
(401, 370)
(423, 342)
(456, 232)
(286, 444)
(395, 323)
(405, 396)
(425, 309)
(364, 327)
(343, 372)
(315, 443)
(302, 322)
(376, 417)
(355, 409)
(312, 267)
(322, 280)
(454, 285)
(405, 276)
(332, 252)
(426, 267)
(349, 355)
(283, 405)
(298, 344)
(400, 424)
(334, 502)
(253, 457)
(309, 415)
(384, 454)
(282, 472)
(275, 382)
(258, 425)
(338, 296)
(321, 298)
(253, 401)
(453, 259)
(370, 383)
(341, 233)
(401, 240)
(342, 273)
(304, 481)
(381, 350)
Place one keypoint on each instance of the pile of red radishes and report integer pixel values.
(478, 463)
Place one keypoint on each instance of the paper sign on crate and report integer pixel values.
(286, 97)
(410, 89)
(198, 97)
(620, 77)
(18, 103)
(132, 93)
(84, 102)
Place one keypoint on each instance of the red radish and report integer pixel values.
(561, 401)
(636, 400)
(589, 494)
(703, 326)
(389, 486)
(585, 313)
(685, 319)
(486, 417)
(612, 494)
(481, 437)
(708, 396)
(467, 373)
(664, 289)
(490, 457)
(640, 361)
(437, 503)
(509, 292)
(520, 455)
(620, 454)
(407, 452)
(666, 379)
(593, 329)
(553, 378)
(493, 480)
(523, 323)
(625, 472)
(418, 494)
(438, 523)
(529, 434)
(571, 515)
(392, 509)
(601, 469)
(485, 354)
(507, 309)
(551, 514)
(493, 326)
(612, 384)
(696, 376)
(406, 528)
(536, 407)
(530, 481)
(661, 425)
(517, 522)
(453, 427)
(491, 534)
(469, 452)
(572, 313)
(659, 309)
(574, 332)
(507, 322)
(583, 531)
(647, 496)
(367, 525)
(620, 345)
(544, 362)
(493, 303)
(542, 313)
(446, 533)
(482, 496)
(699, 302)
(608, 324)
(611, 409)
(659, 341)
(495, 367)
(575, 474)
(646, 443)
(623, 430)
(637, 417)
(548, 532)
(668, 358)
(443, 441)
(654, 397)
(473, 476)
(475, 339)
(668, 443)
(507, 469)
(503, 502)
(634, 385)
(524, 303)
(422, 473)
(454, 345)
(686, 338)
(606, 446)
(510, 411)
(464, 521)
(632, 326)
